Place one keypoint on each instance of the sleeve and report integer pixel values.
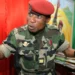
(63, 44)
(9, 45)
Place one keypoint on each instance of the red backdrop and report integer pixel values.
(12, 14)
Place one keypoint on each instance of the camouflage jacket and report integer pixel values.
(36, 52)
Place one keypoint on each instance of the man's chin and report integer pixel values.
(32, 30)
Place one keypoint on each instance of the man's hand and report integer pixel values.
(69, 52)
(1, 55)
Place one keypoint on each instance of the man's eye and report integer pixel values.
(39, 16)
(30, 14)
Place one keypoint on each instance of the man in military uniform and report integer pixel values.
(34, 45)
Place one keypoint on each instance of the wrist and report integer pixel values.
(74, 53)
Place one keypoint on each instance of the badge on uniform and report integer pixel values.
(41, 60)
(25, 44)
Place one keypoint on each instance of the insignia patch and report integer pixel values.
(48, 0)
(41, 60)
(50, 42)
(25, 44)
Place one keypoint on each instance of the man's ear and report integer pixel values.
(47, 20)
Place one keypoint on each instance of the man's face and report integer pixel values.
(36, 22)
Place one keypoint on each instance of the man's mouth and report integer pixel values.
(31, 27)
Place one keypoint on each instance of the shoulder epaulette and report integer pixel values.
(52, 27)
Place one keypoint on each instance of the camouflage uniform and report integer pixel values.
(34, 53)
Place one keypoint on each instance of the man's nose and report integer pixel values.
(33, 18)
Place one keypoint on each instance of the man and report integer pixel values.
(35, 44)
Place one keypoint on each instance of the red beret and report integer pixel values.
(42, 6)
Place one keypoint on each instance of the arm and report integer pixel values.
(9, 45)
(64, 46)
(69, 52)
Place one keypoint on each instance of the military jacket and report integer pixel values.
(36, 52)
